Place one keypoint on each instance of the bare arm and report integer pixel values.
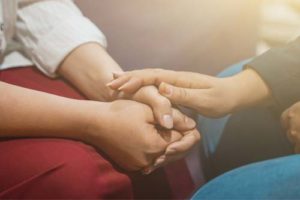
(29, 113)
(89, 67)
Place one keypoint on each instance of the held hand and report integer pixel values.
(129, 133)
(161, 106)
(210, 96)
(290, 119)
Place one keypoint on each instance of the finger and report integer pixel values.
(182, 122)
(117, 74)
(162, 161)
(115, 84)
(179, 148)
(131, 86)
(166, 159)
(159, 162)
(169, 136)
(161, 106)
(182, 96)
(180, 79)
(185, 144)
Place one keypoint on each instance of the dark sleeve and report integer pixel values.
(280, 69)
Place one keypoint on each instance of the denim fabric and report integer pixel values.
(273, 179)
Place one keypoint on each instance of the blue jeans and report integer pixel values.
(273, 179)
(245, 137)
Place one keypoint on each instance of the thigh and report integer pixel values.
(162, 184)
(55, 168)
(249, 136)
(274, 179)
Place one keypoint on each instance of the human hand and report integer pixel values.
(161, 106)
(210, 96)
(290, 120)
(128, 133)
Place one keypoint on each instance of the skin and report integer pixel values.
(90, 68)
(96, 123)
(103, 122)
(203, 93)
(210, 96)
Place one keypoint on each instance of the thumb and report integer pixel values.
(181, 96)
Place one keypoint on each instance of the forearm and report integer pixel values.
(89, 68)
(29, 113)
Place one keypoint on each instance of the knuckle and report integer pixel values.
(155, 146)
(183, 94)
(162, 102)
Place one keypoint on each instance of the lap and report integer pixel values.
(273, 179)
(244, 137)
(110, 181)
(57, 168)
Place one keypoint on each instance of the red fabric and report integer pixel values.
(57, 168)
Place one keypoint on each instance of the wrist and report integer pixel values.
(249, 89)
(89, 68)
(92, 119)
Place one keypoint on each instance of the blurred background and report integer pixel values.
(192, 35)
(280, 23)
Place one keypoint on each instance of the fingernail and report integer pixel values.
(109, 84)
(166, 89)
(121, 88)
(159, 161)
(170, 151)
(168, 121)
(147, 170)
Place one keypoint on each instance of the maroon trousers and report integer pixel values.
(58, 168)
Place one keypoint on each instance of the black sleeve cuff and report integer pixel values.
(280, 69)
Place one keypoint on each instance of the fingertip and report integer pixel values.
(112, 85)
(171, 151)
(190, 123)
(132, 86)
(167, 121)
(165, 89)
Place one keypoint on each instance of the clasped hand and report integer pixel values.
(152, 132)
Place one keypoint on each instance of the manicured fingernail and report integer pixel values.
(166, 89)
(167, 121)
